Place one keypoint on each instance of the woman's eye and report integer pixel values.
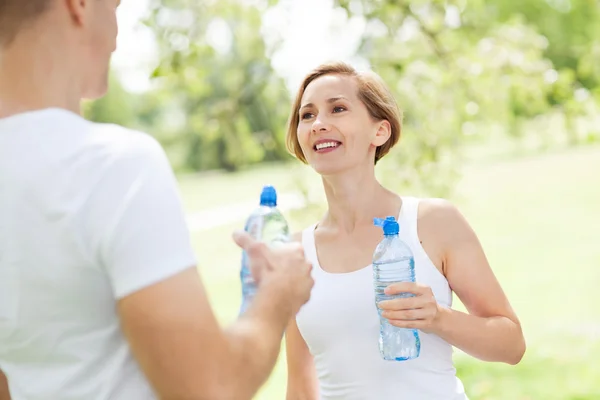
(307, 115)
(338, 109)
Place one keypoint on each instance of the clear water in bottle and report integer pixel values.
(267, 224)
(393, 262)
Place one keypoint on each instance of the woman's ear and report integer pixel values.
(384, 131)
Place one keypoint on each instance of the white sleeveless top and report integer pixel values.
(340, 325)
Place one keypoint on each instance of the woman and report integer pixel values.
(341, 124)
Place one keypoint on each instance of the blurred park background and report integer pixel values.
(502, 116)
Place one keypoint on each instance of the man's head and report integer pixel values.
(83, 32)
(16, 14)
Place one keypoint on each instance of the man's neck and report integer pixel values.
(35, 75)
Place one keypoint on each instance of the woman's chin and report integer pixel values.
(327, 169)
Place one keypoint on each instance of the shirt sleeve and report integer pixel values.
(138, 224)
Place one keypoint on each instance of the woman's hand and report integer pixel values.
(420, 311)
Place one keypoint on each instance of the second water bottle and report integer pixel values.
(393, 262)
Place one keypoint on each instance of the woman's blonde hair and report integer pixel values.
(372, 91)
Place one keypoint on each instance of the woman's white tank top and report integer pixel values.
(340, 325)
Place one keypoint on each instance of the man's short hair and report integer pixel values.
(15, 15)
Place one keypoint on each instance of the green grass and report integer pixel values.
(538, 220)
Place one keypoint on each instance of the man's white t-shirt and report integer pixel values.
(89, 213)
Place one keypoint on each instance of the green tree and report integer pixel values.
(215, 69)
(459, 76)
(118, 106)
(571, 26)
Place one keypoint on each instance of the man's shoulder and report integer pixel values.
(116, 151)
(121, 140)
(67, 133)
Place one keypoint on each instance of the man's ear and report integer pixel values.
(78, 10)
(384, 131)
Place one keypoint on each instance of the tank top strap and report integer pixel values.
(308, 242)
(408, 218)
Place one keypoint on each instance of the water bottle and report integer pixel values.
(266, 224)
(393, 262)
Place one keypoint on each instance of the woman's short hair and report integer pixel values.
(372, 91)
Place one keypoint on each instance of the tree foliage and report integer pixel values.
(467, 72)
(464, 72)
(215, 72)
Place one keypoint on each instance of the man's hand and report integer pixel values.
(180, 346)
(284, 270)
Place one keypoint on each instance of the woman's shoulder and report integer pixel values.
(436, 207)
(442, 217)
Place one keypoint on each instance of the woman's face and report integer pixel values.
(335, 130)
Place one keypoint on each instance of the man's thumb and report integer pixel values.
(243, 239)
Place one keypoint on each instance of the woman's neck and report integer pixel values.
(355, 198)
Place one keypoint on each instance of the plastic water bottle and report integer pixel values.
(393, 262)
(266, 224)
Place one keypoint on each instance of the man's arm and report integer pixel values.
(183, 351)
(4, 393)
(135, 226)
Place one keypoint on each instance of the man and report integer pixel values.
(99, 294)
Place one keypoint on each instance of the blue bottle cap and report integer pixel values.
(268, 197)
(389, 225)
